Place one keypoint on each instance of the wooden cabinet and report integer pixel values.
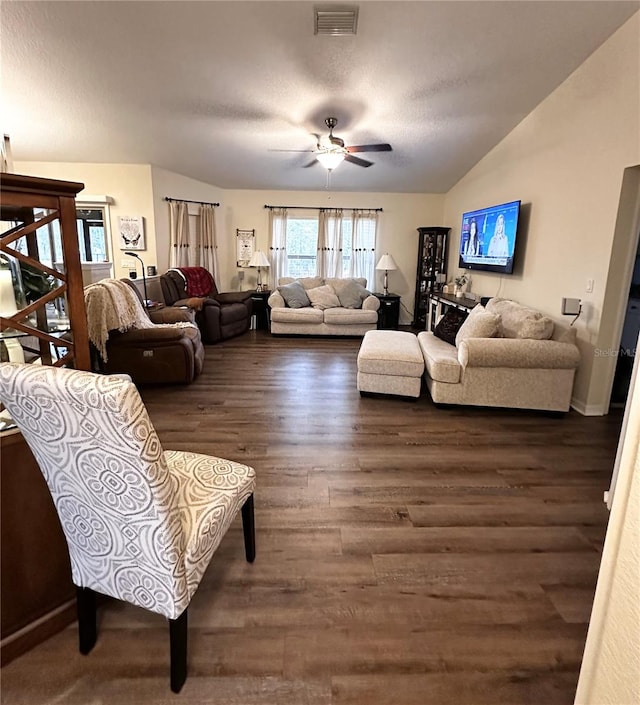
(432, 261)
(42, 320)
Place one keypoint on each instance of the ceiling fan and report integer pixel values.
(331, 151)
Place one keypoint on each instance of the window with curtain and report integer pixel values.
(331, 243)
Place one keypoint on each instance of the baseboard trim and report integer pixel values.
(588, 409)
(38, 631)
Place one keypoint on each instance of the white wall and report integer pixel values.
(402, 215)
(128, 184)
(610, 671)
(565, 161)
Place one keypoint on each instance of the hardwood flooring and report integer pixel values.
(406, 555)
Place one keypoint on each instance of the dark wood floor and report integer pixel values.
(407, 555)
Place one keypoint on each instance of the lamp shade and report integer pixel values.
(330, 160)
(259, 259)
(387, 263)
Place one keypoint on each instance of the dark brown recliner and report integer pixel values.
(155, 355)
(222, 315)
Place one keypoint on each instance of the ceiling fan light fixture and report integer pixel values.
(330, 160)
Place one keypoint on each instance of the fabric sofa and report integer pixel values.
(327, 316)
(528, 361)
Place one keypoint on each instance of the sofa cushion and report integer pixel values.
(440, 358)
(519, 321)
(307, 282)
(297, 315)
(294, 295)
(449, 325)
(349, 316)
(350, 292)
(323, 297)
(479, 324)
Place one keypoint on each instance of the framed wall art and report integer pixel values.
(131, 232)
(245, 246)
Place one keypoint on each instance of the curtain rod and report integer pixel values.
(325, 208)
(186, 200)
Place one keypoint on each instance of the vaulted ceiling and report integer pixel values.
(213, 90)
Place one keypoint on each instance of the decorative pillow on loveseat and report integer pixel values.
(323, 297)
(519, 321)
(294, 295)
(479, 324)
(449, 325)
(350, 292)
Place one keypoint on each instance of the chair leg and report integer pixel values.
(87, 630)
(249, 529)
(178, 649)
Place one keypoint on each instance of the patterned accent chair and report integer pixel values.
(141, 523)
(221, 316)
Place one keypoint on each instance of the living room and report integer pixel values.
(566, 159)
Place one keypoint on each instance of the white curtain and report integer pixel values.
(363, 253)
(330, 243)
(178, 234)
(278, 252)
(206, 246)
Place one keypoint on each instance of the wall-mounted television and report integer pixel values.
(488, 238)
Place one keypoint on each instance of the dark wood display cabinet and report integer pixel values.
(42, 321)
(431, 272)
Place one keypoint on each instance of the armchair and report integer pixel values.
(126, 340)
(218, 315)
(141, 523)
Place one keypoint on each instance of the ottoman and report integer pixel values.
(390, 362)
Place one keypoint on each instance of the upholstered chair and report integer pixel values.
(218, 315)
(157, 347)
(141, 523)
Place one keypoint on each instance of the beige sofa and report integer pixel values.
(508, 370)
(317, 321)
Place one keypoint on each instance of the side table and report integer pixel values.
(389, 311)
(261, 309)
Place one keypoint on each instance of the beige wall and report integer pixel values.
(402, 215)
(167, 183)
(565, 161)
(129, 185)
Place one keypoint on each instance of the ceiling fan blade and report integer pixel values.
(370, 148)
(357, 160)
(291, 150)
(311, 163)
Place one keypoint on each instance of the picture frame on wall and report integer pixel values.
(245, 246)
(131, 232)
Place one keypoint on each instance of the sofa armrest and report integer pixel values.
(173, 314)
(276, 300)
(518, 353)
(233, 297)
(371, 303)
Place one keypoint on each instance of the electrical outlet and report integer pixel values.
(241, 275)
(589, 288)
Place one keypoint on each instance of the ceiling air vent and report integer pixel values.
(336, 22)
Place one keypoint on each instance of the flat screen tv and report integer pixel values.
(488, 238)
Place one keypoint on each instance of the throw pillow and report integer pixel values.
(517, 321)
(351, 293)
(449, 325)
(294, 295)
(323, 297)
(479, 324)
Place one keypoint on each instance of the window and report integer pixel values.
(302, 246)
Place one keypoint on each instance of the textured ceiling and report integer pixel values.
(212, 90)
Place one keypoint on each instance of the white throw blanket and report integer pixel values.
(113, 305)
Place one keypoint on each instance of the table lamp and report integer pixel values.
(259, 259)
(388, 264)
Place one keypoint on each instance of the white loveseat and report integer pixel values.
(336, 320)
(507, 370)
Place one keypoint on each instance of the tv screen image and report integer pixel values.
(488, 238)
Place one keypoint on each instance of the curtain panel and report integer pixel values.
(363, 241)
(330, 243)
(278, 252)
(178, 234)
(206, 244)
